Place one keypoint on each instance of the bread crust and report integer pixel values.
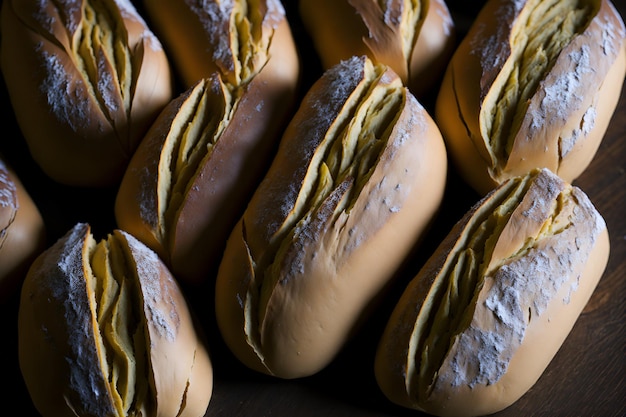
(81, 124)
(562, 121)
(60, 332)
(344, 28)
(200, 39)
(289, 297)
(520, 314)
(22, 232)
(215, 196)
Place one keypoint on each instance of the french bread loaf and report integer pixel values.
(533, 85)
(192, 175)
(235, 38)
(357, 179)
(85, 79)
(481, 321)
(103, 329)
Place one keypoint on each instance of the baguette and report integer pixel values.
(481, 321)
(533, 85)
(103, 329)
(85, 79)
(358, 177)
(192, 175)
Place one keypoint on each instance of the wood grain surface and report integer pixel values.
(586, 377)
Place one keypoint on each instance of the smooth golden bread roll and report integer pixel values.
(480, 322)
(234, 38)
(86, 78)
(359, 175)
(22, 231)
(103, 329)
(192, 175)
(415, 38)
(533, 85)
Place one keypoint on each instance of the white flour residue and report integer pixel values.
(146, 198)
(485, 367)
(7, 188)
(156, 288)
(392, 16)
(42, 17)
(105, 84)
(612, 36)
(563, 93)
(586, 126)
(67, 257)
(215, 19)
(61, 282)
(324, 104)
(446, 19)
(493, 50)
(67, 97)
(68, 10)
(275, 13)
(522, 291)
(530, 281)
(128, 11)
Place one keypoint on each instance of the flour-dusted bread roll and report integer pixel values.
(358, 176)
(414, 38)
(195, 170)
(22, 231)
(236, 38)
(86, 78)
(105, 330)
(533, 85)
(481, 321)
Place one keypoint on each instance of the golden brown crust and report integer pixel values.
(417, 48)
(308, 256)
(82, 112)
(208, 38)
(103, 329)
(545, 259)
(22, 231)
(507, 106)
(250, 116)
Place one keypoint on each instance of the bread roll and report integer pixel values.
(195, 170)
(22, 231)
(416, 39)
(86, 79)
(481, 321)
(233, 38)
(358, 176)
(105, 330)
(533, 85)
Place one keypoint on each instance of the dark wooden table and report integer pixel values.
(586, 377)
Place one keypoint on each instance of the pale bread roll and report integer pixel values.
(103, 329)
(86, 79)
(234, 38)
(358, 177)
(533, 85)
(194, 172)
(481, 321)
